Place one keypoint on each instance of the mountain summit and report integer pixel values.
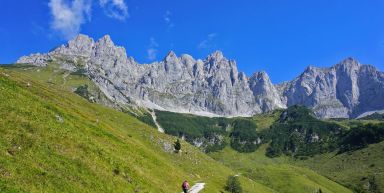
(214, 86)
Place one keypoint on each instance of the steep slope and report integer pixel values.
(361, 170)
(277, 173)
(298, 133)
(55, 141)
(346, 151)
(214, 86)
(347, 89)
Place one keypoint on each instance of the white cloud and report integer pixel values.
(167, 19)
(68, 17)
(152, 54)
(208, 42)
(152, 49)
(115, 9)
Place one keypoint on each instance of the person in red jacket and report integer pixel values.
(185, 186)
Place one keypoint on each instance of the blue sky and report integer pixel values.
(279, 36)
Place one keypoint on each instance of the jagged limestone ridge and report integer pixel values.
(214, 86)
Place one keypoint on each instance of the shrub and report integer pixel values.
(177, 145)
(233, 185)
(83, 91)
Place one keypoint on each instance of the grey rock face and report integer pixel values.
(266, 95)
(214, 86)
(347, 89)
(35, 59)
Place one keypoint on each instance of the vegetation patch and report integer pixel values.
(361, 136)
(300, 134)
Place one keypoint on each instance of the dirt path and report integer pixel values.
(159, 128)
(65, 78)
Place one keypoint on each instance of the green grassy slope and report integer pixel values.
(55, 141)
(73, 82)
(276, 173)
(362, 170)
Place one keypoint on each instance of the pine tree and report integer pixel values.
(177, 145)
(233, 185)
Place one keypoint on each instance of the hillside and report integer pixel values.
(361, 170)
(280, 173)
(55, 141)
(297, 143)
(276, 173)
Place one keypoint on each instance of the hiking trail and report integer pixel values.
(196, 188)
(153, 114)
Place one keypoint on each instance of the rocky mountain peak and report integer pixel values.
(266, 95)
(81, 38)
(172, 64)
(348, 64)
(310, 69)
(260, 76)
(187, 60)
(216, 56)
(171, 56)
(81, 45)
(106, 41)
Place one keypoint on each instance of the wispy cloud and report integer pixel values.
(208, 42)
(70, 15)
(167, 19)
(152, 49)
(115, 9)
(37, 29)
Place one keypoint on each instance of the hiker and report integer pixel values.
(185, 186)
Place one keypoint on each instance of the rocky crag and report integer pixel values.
(214, 86)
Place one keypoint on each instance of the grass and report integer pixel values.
(64, 79)
(290, 174)
(53, 140)
(356, 169)
(277, 173)
(72, 82)
(264, 121)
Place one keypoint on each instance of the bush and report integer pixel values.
(361, 136)
(177, 145)
(233, 185)
(83, 91)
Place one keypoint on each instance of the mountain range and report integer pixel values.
(214, 86)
